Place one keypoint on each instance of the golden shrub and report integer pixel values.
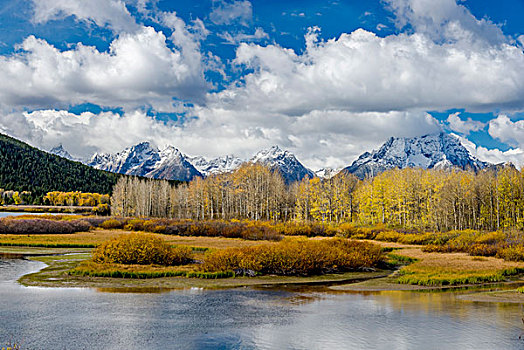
(141, 249)
(297, 257)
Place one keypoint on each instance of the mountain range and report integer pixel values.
(434, 151)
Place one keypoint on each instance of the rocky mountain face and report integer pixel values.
(439, 151)
(283, 161)
(145, 160)
(217, 165)
(148, 161)
(326, 173)
(61, 152)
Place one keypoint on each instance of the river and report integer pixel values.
(4, 214)
(245, 318)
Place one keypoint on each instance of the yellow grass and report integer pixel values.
(436, 269)
(98, 236)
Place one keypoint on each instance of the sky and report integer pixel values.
(326, 80)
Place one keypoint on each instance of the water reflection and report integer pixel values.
(243, 318)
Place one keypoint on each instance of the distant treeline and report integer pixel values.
(408, 198)
(26, 169)
(76, 199)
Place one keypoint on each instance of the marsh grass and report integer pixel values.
(92, 269)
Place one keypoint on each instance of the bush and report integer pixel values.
(296, 257)
(389, 236)
(512, 253)
(112, 224)
(141, 249)
(42, 226)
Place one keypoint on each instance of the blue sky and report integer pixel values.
(324, 79)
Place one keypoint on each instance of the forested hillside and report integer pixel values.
(25, 168)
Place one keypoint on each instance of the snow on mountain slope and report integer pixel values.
(285, 162)
(61, 152)
(326, 173)
(440, 151)
(145, 160)
(219, 165)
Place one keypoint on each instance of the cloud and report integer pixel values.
(319, 139)
(363, 72)
(455, 123)
(444, 20)
(495, 156)
(138, 69)
(237, 38)
(507, 131)
(226, 13)
(110, 13)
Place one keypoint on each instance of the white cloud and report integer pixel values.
(111, 13)
(445, 20)
(495, 156)
(237, 38)
(138, 69)
(507, 131)
(232, 12)
(363, 72)
(455, 123)
(319, 139)
(328, 103)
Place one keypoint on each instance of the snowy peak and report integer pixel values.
(219, 165)
(285, 162)
(61, 152)
(326, 173)
(169, 163)
(146, 160)
(439, 151)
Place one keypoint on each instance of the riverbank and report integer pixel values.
(56, 275)
(433, 271)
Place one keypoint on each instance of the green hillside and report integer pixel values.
(25, 168)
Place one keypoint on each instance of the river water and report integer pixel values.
(245, 318)
(4, 214)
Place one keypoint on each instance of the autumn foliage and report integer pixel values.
(297, 257)
(42, 226)
(141, 249)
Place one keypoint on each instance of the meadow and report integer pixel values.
(218, 248)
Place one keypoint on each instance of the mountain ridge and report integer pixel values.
(432, 151)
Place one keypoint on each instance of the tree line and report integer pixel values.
(408, 198)
(75, 198)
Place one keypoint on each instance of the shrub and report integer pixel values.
(296, 257)
(512, 253)
(42, 226)
(141, 249)
(112, 224)
(389, 236)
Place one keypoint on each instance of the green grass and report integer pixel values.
(438, 277)
(150, 274)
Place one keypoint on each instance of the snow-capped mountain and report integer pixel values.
(219, 165)
(326, 173)
(430, 151)
(61, 152)
(145, 160)
(285, 162)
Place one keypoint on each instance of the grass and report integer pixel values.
(57, 275)
(438, 269)
(424, 268)
(96, 237)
